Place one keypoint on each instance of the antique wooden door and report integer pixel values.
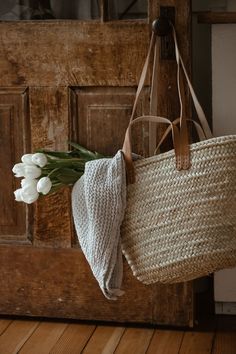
(75, 80)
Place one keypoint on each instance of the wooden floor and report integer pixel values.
(41, 337)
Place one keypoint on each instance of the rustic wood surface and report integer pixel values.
(74, 339)
(15, 335)
(225, 340)
(136, 340)
(102, 115)
(104, 340)
(50, 130)
(34, 337)
(167, 342)
(45, 338)
(13, 217)
(72, 53)
(197, 342)
(58, 283)
(65, 68)
(216, 17)
(168, 103)
(4, 324)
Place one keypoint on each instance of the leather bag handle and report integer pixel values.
(183, 150)
(198, 128)
(199, 110)
(127, 148)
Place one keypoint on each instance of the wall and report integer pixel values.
(224, 122)
(224, 78)
(214, 74)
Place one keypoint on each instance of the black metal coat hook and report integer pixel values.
(161, 26)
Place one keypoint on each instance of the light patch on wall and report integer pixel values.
(224, 79)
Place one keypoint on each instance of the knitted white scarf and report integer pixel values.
(98, 205)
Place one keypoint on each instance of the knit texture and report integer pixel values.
(98, 205)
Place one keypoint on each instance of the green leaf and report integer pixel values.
(69, 176)
(78, 164)
(87, 154)
(52, 174)
(58, 154)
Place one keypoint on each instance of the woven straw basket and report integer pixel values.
(180, 225)
(180, 219)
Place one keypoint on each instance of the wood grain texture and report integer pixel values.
(4, 324)
(165, 342)
(97, 63)
(168, 101)
(77, 338)
(44, 338)
(50, 130)
(16, 335)
(49, 117)
(216, 17)
(197, 342)
(58, 283)
(14, 140)
(104, 340)
(225, 342)
(74, 339)
(101, 116)
(225, 337)
(174, 300)
(82, 54)
(135, 341)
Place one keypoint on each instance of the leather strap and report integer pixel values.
(185, 150)
(127, 148)
(143, 76)
(153, 103)
(181, 144)
(198, 128)
(200, 113)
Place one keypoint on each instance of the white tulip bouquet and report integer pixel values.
(45, 171)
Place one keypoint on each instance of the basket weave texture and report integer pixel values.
(180, 225)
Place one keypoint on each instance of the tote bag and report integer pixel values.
(180, 219)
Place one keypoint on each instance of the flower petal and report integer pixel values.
(19, 169)
(44, 185)
(39, 159)
(18, 195)
(25, 182)
(27, 159)
(32, 172)
(29, 195)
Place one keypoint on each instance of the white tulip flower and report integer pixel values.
(29, 182)
(44, 185)
(18, 196)
(27, 159)
(32, 172)
(29, 194)
(19, 169)
(39, 159)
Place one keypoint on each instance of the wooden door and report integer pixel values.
(76, 80)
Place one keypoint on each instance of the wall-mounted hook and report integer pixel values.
(161, 26)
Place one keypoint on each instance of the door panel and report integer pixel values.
(14, 221)
(50, 129)
(102, 115)
(81, 79)
(49, 117)
(56, 282)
